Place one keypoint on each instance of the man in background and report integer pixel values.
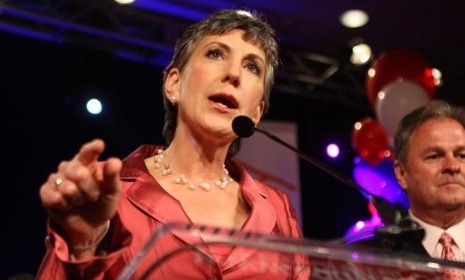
(430, 166)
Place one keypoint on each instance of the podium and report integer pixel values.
(217, 253)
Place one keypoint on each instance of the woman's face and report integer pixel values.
(223, 78)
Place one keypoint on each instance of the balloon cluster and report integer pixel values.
(398, 82)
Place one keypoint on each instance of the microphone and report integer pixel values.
(244, 127)
(394, 215)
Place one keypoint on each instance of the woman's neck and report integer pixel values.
(196, 159)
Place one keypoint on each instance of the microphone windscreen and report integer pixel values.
(243, 126)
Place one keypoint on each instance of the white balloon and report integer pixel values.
(396, 100)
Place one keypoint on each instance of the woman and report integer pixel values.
(103, 212)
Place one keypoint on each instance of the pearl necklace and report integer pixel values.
(181, 179)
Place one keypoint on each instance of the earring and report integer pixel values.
(173, 100)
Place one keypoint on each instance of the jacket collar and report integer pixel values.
(151, 198)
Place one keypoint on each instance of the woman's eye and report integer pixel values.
(215, 53)
(254, 68)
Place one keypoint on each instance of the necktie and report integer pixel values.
(446, 241)
(448, 254)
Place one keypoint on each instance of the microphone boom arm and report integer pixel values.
(384, 207)
(344, 179)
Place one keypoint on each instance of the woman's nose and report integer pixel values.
(232, 74)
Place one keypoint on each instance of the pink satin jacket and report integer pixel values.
(145, 206)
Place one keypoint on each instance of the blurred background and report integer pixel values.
(56, 56)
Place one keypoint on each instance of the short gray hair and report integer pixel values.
(409, 123)
(256, 30)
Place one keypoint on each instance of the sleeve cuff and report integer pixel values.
(117, 240)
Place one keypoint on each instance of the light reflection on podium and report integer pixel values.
(272, 257)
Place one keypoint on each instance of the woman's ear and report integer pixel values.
(172, 85)
(258, 112)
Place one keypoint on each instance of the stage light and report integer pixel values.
(94, 106)
(354, 18)
(359, 225)
(371, 72)
(437, 76)
(332, 150)
(364, 229)
(380, 180)
(361, 54)
(125, 2)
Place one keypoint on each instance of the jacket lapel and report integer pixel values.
(163, 208)
(262, 218)
(145, 193)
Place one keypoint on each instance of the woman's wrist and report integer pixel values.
(88, 246)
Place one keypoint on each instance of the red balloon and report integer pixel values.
(399, 64)
(370, 140)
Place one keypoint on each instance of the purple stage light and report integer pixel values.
(332, 150)
(380, 180)
(364, 229)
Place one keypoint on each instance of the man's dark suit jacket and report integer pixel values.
(401, 243)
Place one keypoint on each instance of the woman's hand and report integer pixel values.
(82, 196)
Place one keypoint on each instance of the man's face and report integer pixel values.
(433, 171)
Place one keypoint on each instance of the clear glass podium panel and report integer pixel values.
(211, 253)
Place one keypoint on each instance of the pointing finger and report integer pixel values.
(90, 152)
(111, 182)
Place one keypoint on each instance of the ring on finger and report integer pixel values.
(58, 181)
